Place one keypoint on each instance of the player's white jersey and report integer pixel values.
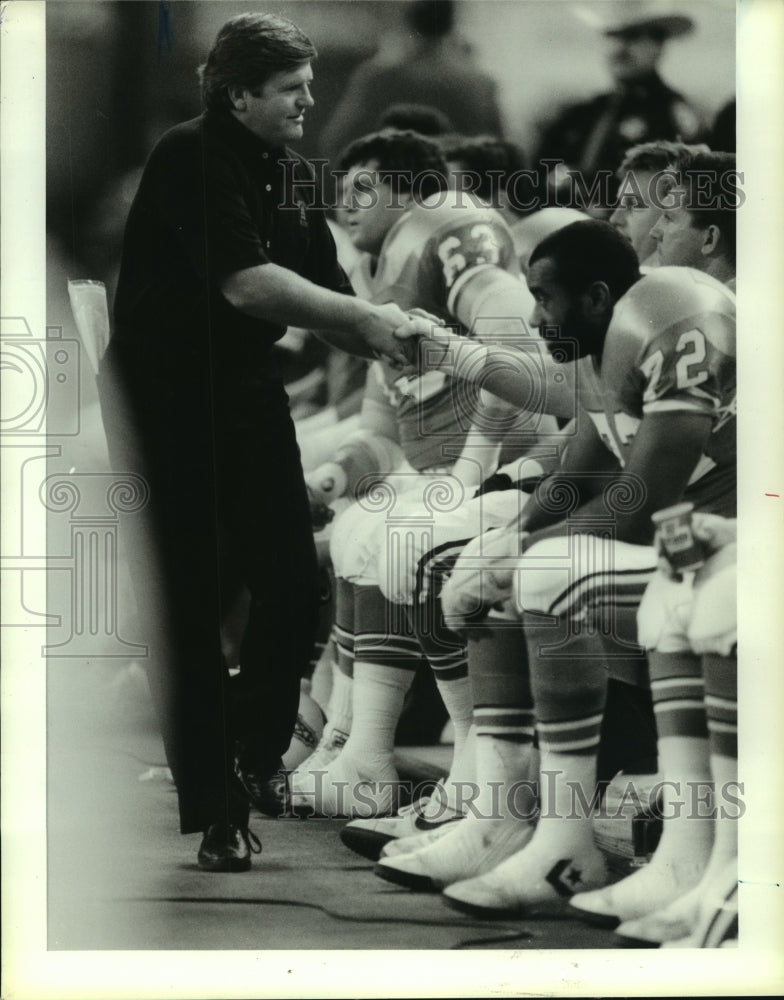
(671, 348)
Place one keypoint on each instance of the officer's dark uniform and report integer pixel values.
(595, 135)
(215, 440)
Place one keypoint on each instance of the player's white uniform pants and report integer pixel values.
(690, 628)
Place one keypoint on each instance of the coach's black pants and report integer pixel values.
(228, 508)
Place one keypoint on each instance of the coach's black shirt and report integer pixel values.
(210, 203)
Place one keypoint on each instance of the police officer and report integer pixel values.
(593, 135)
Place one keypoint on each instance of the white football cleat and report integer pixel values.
(469, 849)
(408, 845)
(347, 789)
(369, 837)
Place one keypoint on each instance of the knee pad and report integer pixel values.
(351, 545)
(414, 537)
(664, 613)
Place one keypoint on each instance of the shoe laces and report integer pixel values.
(253, 842)
(326, 751)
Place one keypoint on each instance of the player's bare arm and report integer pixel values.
(655, 465)
(586, 456)
(511, 360)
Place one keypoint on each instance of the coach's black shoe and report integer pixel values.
(227, 848)
(269, 793)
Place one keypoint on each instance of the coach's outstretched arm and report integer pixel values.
(278, 295)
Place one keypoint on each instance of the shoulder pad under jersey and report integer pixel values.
(457, 229)
(664, 298)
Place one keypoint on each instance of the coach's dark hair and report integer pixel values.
(587, 252)
(431, 18)
(412, 161)
(711, 183)
(249, 49)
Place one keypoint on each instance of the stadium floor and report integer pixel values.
(121, 877)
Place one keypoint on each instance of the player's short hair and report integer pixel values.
(655, 156)
(411, 161)
(431, 18)
(479, 154)
(422, 118)
(248, 50)
(710, 181)
(587, 252)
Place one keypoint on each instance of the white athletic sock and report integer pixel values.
(680, 917)
(378, 695)
(321, 681)
(458, 699)
(682, 854)
(462, 774)
(339, 711)
(361, 781)
(498, 789)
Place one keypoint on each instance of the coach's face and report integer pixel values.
(275, 112)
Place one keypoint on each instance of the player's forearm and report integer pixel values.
(523, 378)
(478, 459)
(281, 296)
(548, 505)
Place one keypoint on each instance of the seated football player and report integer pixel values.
(411, 574)
(646, 175)
(688, 624)
(622, 424)
(492, 170)
(451, 260)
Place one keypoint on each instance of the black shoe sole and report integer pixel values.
(484, 912)
(632, 942)
(226, 865)
(409, 880)
(366, 843)
(546, 910)
(607, 921)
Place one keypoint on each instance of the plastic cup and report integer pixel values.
(683, 551)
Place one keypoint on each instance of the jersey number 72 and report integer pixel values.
(691, 366)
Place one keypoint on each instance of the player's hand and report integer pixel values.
(715, 531)
(712, 530)
(420, 324)
(481, 578)
(392, 334)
